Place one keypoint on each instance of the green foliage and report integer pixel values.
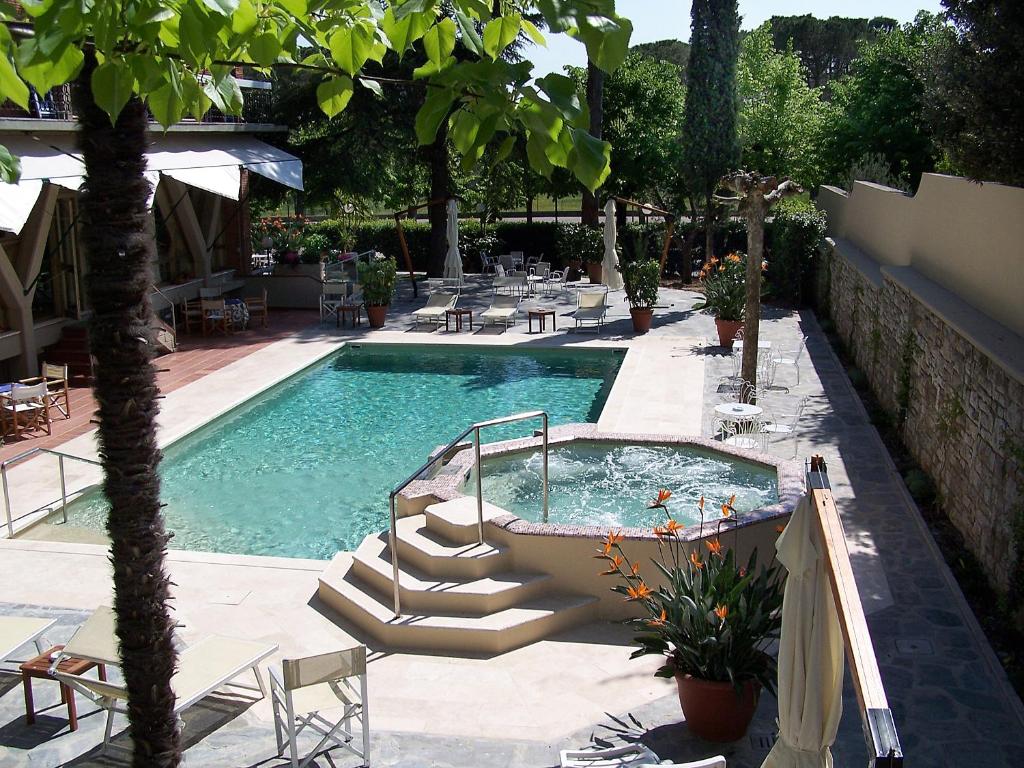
(974, 81)
(643, 120)
(905, 377)
(921, 487)
(378, 277)
(879, 108)
(640, 279)
(875, 168)
(725, 287)
(180, 56)
(712, 146)
(712, 617)
(578, 242)
(781, 119)
(670, 51)
(796, 235)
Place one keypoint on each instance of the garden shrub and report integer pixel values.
(796, 233)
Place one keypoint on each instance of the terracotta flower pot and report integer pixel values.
(714, 711)
(727, 331)
(595, 271)
(376, 314)
(641, 318)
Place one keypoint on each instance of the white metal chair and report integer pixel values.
(785, 427)
(591, 308)
(745, 433)
(488, 263)
(791, 359)
(628, 756)
(26, 408)
(308, 686)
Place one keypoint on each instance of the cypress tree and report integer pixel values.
(711, 144)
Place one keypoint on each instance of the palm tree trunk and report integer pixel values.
(440, 190)
(752, 311)
(120, 252)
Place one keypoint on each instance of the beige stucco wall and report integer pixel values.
(967, 237)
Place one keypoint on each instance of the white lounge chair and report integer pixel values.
(18, 631)
(628, 756)
(437, 304)
(210, 664)
(306, 687)
(503, 309)
(591, 308)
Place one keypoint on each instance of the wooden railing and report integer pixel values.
(876, 718)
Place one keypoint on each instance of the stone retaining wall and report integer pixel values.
(959, 407)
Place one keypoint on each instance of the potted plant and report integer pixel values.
(579, 245)
(640, 280)
(711, 618)
(724, 284)
(378, 277)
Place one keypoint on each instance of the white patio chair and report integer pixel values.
(503, 309)
(537, 277)
(628, 756)
(487, 263)
(785, 427)
(434, 310)
(309, 686)
(591, 308)
(745, 433)
(791, 359)
(332, 296)
(506, 263)
(56, 379)
(518, 260)
(26, 408)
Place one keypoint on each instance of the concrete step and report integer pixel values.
(437, 556)
(497, 632)
(430, 594)
(456, 519)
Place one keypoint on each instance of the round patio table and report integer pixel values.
(738, 411)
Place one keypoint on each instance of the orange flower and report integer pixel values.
(663, 495)
(743, 572)
(639, 592)
(732, 501)
(660, 530)
(733, 258)
(613, 568)
(610, 541)
(673, 525)
(713, 260)
(695, 559)
(721, 611)
(714, 546)
(634, 568)
(780, 528)
(658, 622)
(764, 266)
(726, 511)
(700, 504)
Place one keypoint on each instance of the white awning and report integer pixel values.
(205, 161)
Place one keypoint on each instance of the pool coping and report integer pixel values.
(448, 482)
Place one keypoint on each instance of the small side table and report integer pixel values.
(39, 667)
(458, 313)
(540, 314)
(352, 310)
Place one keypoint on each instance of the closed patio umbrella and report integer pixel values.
(453, 259)
(612, 278)
(810, 651)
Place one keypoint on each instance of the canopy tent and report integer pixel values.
(810, 651)
(209, 162)
(610, 265)
(453, 259)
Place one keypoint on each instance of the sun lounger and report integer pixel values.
(437, 304)
(212, 663)
(503, 309)
(16, 631)
(628, 756)
(591, 308)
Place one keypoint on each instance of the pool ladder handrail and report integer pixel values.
(441, 454)
(23, 456)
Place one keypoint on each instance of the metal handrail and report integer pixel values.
(17, 459)
(438, 456)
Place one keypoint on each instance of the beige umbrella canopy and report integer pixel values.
(810, 651)
(609, 266)
(453, 259)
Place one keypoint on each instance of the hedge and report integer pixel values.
(796, 234)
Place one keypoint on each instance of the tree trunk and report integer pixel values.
(590, 214)
(709, 230)
(752, 311)
(440, 191)
(529, 210)
(119, 253)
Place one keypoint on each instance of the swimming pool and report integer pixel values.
(305, 469)
(612, 484)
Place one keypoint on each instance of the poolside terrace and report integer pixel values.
(950, 698)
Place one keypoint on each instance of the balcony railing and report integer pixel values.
(56, 105)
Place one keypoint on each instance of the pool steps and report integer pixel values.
(456, 595)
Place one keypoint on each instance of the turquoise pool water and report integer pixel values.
(305, 470)
(612, 485)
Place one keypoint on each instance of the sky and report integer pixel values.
(667, 19)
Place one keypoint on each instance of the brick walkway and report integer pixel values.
(196, 357)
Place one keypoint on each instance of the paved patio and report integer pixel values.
(950, 699)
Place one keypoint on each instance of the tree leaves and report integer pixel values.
(334, 94)
(435, 109)
(439, 42)
(500, 33)
(351, 47)
(590, 158)
(112, 85)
